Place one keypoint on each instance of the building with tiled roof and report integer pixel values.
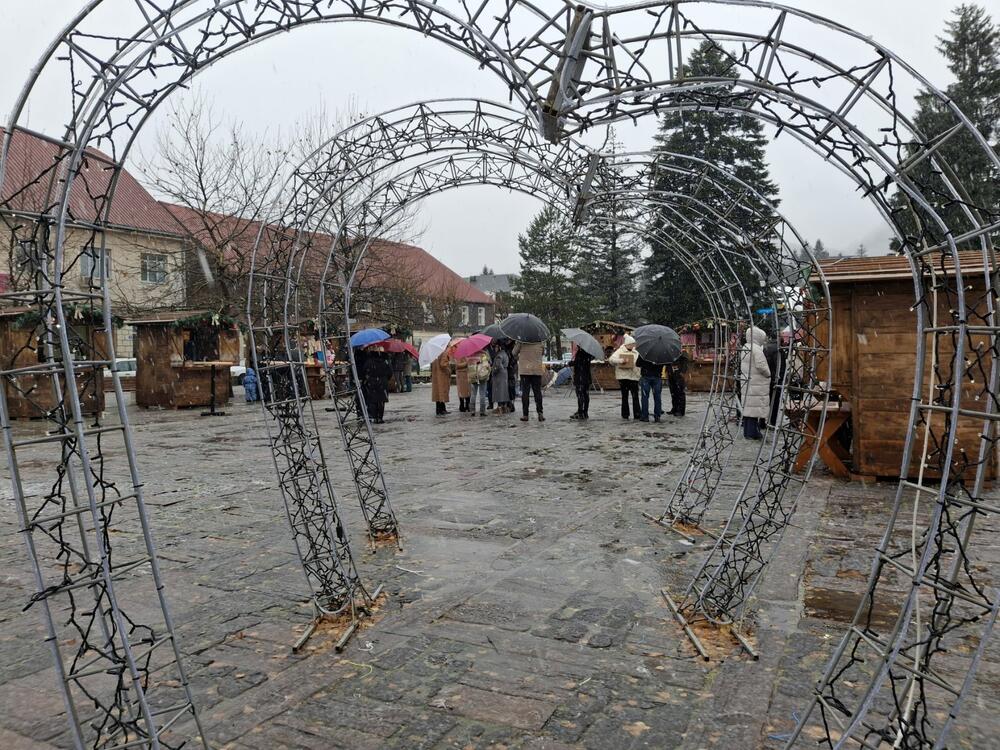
(144, 249)
(398, 285)
(153, 250)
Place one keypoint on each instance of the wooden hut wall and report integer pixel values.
(874, 353)
(162, 381)
(31, 396)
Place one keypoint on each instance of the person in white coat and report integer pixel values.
(756, 384)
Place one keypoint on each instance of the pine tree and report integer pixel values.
(608, 258)
(731, 140)
(546, 286)
(971, 46)
(819, 251)
(862, 251)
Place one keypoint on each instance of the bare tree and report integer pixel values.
(224, 184)
(220, 183)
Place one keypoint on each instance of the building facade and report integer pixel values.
(141, 250)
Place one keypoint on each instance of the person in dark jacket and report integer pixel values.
(677, 380)
(776, 353)
(512, 374)
(581, 382)
(375, 385)
(650, 381)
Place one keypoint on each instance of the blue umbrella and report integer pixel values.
(368, 336)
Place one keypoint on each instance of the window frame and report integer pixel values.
(144, 270)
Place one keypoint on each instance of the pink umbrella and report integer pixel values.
(470, 346)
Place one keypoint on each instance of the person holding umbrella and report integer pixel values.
(529, 332)
(627, 374)
(466, 353)
(587, 350)
(434, 352)
(529, 356)
(657, 346)
(650, 380)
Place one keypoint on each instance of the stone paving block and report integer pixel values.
(526, 576)
(13, 741)
(497, 708)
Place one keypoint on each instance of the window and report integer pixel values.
(154, 268)
(27, 254)
(88, 263)
(481, 316)
(465, 315)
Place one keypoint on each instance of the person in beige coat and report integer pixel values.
(479, 376)
(441, 383)
(531, 369)
(627, 373)
(462, 383)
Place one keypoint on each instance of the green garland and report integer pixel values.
(216, 320)
(73, 313)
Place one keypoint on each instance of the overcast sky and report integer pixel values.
(274, 84)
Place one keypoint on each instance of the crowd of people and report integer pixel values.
(490, 381)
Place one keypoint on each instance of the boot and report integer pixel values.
(541, 417)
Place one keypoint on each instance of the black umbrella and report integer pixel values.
(524, 327)
(585, 341)
(657, 344)
(493, 331)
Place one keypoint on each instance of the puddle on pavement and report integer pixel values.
(839, 606)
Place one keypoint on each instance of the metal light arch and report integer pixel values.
(565, 50)
(437, 139)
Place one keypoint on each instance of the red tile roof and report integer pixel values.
(33, 161)
(432, 277)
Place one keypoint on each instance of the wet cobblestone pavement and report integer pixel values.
(524, 609)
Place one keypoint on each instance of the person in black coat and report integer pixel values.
(375, 385)
(677, 382)
(581, 382)
(777, 359)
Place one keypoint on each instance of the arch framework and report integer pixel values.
(572, 67)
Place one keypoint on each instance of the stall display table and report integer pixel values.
(831, 451)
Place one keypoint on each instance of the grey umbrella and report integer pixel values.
(657, 344)
(493, 331)
(585, 341)
(524, 327)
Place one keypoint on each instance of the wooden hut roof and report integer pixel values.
(599, 324)
(11, 312)
(889, 267)
(165, 317)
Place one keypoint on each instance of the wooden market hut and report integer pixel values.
(698, 340)
(609, 335)
(182, 357)
(874, 351)
(30, 395)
